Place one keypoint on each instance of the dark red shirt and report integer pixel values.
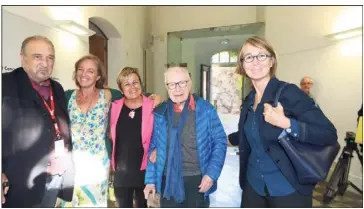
(42, 89)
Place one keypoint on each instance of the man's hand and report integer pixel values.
(149, 188)
(5, 187)
(156, 98)
(153, 156)
(206, 184)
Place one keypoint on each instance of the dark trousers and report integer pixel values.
(124, 197)
(193, 198)
(250, 199)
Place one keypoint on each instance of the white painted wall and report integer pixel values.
(174, 49)
(336, 67)
(130, 23)
(115, 60)
(125, 47)
(67, 47)
(177, 18)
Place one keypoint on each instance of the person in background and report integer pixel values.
(37, 164)
(131, 130)
(306, 85)
(266, 175)
(191, 146)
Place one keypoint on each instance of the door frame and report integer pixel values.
(205, 68)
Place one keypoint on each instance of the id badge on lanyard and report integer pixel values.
(59, 147)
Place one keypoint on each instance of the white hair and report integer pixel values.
(175, 69)
(307, 78)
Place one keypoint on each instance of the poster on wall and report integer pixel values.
(68, 47)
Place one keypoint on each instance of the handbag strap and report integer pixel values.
(279, 92)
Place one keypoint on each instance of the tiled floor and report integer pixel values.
(228, 193)
(351, 198)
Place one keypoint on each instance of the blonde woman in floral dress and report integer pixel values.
(88, 109)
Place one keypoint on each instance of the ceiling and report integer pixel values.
(210, 45)
(251, 28)
(203, 43)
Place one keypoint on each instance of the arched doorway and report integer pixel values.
(98, 45)
(106, 44)
(226, 85)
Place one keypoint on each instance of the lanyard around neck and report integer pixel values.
(51, 111)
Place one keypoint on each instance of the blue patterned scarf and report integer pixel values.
(174, 177)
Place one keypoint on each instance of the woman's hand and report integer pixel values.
(153, 156)
(275, 116)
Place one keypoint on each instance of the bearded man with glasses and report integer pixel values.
(191, 144)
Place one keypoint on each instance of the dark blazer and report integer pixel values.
(314, 128)
(28, 137)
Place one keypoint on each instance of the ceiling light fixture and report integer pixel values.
(345, 34)
(73, 27)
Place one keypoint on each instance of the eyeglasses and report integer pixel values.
(181, 84)
(260, 57)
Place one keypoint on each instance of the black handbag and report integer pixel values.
(311, 162)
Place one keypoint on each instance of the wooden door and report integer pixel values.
(98, 47)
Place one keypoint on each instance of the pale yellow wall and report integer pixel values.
(126, 50)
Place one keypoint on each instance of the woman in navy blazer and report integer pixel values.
(267, 176)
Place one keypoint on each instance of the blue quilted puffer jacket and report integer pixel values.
(211, 143)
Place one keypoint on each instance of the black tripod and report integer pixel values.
(339, 182)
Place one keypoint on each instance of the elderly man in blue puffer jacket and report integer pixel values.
(191, 146)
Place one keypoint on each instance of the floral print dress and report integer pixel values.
(90, 155)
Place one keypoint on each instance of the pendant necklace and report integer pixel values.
(132, 113)
(132, 110)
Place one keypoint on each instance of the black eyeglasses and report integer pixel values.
(181, 84)
(260, 57)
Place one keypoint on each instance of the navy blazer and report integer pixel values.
(314, 128)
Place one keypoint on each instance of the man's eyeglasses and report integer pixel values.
(260, 57)
(181, 84)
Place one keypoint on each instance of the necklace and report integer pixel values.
(132, 110)
(132, 113)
